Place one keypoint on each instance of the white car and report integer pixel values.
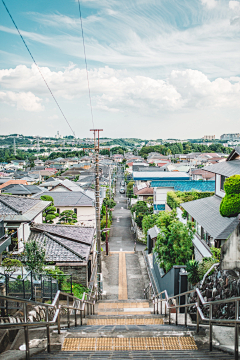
(122, 190)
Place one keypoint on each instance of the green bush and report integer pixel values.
(193, 273)
(230, 205)
(232, 185)
(174, 199)
(204, 266)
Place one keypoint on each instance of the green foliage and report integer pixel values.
(205, 265)
(78, 290)
(141, 209)
(148, 222)
(152, 164)
(216, 253)
(192, 269)
(67, 217)
(58, 275)
(174, 242)
(34, 256)
(11, 265)
(174, 199)
(129, 192)
(230, 204)
(50, 212)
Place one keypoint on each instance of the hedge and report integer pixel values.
(230, 204)
(174, 199)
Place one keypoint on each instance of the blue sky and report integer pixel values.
(157, 68)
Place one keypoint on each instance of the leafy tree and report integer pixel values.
(129, 191)
(152, 164)
(148, 222)
(50, 213)
(67, 217)
(34, 256)
(141, 209)
(11, 265)
(174, 242)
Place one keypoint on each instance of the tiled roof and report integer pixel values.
(145, 191)
(17, 204)
(11, 182)
(226, 168)
(22, 189)
(64, 243)
(69, 198)
(186, 185)
(206, 212)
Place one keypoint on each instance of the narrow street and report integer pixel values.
(124, 272)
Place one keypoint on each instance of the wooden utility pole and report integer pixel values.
(97, 199)
(106, 231)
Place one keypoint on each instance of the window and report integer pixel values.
(75, 211)
(223, 178)
(58, 211)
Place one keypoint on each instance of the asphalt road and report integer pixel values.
(121, 237)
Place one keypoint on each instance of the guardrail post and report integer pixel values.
(198, 316)
(185, 310)
(236, 330)
(210, 327)
(26, 331)
(58, 319)
(176, 321)
(75, 313)
(161, 302)
(68, 315)
(157, 304)
(48, 332)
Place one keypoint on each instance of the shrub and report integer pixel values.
(216, 253)
(174, 199)
(193, 273)
(230, 205)
(204, 266)
(232, 185)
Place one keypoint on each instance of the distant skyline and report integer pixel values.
(157, 68)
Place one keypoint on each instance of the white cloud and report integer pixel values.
(234, 5)
(116, 91)
(209, 3)
(23, 100)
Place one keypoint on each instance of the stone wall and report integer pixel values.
(79, 273)
(230, 255)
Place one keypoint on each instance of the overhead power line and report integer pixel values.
(37, 67)
(84, 49)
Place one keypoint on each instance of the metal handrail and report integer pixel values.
(84, 306)
(170, 305)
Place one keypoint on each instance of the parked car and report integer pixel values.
(123, 183)
(122, 190)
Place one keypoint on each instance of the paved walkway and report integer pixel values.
(124, 272)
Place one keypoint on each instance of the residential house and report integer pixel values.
(162, 187)
(212, 229)
(77, 201)
(19, 212)
(71, 248)
(143, 192)
(22, 190)
(200, 174)
(12, 182)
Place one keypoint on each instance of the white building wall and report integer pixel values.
(218, 191)
(86, 215)
(160, 194)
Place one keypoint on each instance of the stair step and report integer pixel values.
(135, 355)
(125, 321)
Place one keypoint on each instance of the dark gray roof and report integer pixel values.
(20, 209)
(226, 168)
(20, 189)
(64, 243)
(206, 212)
(68, 198)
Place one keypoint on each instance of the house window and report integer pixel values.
(223, 178)
(58, 211)
(75, 211)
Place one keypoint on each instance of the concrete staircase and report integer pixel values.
(127, 329)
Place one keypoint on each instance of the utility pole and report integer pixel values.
(106, 231)
(110, 185)
(97, 198)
